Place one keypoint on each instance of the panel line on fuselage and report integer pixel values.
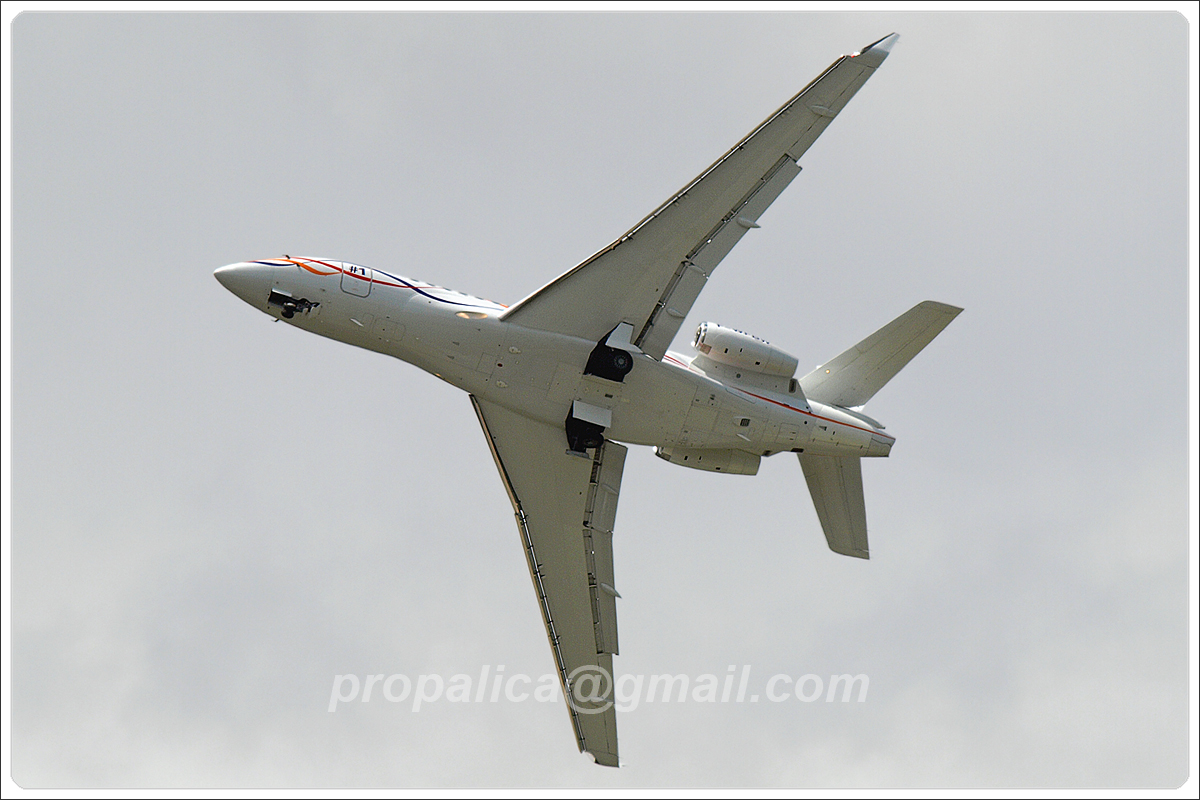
(871, 431)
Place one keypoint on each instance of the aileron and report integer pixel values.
(651, 275)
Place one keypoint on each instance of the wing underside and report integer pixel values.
(651, 276)
(565, 506)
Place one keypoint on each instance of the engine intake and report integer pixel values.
(741, 350)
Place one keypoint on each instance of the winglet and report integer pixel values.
(874, 54)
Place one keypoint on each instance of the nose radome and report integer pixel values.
(251, 282)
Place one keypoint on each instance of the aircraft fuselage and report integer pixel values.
(670, 404)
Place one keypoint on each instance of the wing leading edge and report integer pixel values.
(651, 276)
(565, 507)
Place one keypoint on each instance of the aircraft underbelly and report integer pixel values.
(653, 405)
(540, 375)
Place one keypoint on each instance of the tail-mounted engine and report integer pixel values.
(741, 350)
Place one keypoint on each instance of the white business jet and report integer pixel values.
(568, 377)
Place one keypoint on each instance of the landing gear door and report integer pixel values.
(356, 280)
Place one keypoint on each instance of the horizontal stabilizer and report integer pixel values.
(837, 492)
(853, 378)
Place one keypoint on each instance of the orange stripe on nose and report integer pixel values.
(317, 271)
(304, 266)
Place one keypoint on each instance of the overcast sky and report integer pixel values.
(214, 515)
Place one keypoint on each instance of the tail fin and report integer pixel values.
(837, 491)
(853, 378)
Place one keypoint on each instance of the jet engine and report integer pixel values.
(741, 350)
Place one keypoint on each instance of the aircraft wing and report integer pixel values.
(565, 507)
(651, 276)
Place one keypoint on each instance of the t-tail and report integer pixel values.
(849, 381)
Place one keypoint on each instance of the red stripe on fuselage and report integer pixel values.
(785, 405)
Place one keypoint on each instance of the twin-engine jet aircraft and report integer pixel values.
(568, 377)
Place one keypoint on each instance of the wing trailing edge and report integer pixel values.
(565, 507)
(650, 276)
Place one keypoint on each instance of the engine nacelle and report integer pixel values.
(734, 462)
(741, 350)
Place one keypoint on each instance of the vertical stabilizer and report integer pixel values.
(853, 378)
(837, 492)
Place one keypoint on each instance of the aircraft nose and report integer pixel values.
(251, 282)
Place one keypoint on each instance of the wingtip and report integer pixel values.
(874, 53)
(885, 44)
(945, 308)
